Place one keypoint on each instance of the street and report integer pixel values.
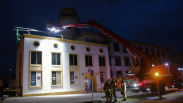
(171, 95)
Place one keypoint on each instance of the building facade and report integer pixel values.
(119, 59)
(47, 65)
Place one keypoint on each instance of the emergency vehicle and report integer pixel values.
(144, 76)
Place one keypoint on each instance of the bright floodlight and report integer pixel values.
(166, 64)
(53, 29)
(153, 65)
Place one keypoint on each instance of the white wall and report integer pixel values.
(46, 46)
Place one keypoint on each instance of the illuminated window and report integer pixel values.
(88, 60)
(117, 60)
(72, 77)
(35, 78)
(101, 61)
(36, 57)
(36, 44)
(56, 78)
(56, 59)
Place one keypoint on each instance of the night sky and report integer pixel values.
(157, 22)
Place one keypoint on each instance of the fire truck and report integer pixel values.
(144, 75)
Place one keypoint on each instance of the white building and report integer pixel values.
(47, 65)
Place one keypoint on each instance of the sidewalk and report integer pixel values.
(99, 97)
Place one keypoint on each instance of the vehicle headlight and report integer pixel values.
(135, 85)
(156, 74)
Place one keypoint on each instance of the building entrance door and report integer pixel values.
(88, 85)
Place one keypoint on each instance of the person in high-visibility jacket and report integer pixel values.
(113, 89)
(123, 90)
(106, 89)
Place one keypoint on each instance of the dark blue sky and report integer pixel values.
(158, 22)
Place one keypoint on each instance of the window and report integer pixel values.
(102, 76)
(88, 49)
(56, 70)
(116, 47)
(159, 62)
(117, 60)
(152, 52)
(101, 50)
(127, 61)
(124, 50)
(73, 47)
(36, 57)
(35, 78)
(74, 69)
(146, 50)
(140, 48)
(163, 53)
(35, 73)
(73, 59)
(36, 44)
(74, 77)
(56, 59)
(101, 61)
(119, 74)
(88, 60)
(55, 45)
(158, 52)
(56, 78)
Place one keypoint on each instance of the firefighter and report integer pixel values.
(123, 90)
(106, 89)
(113, 89)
